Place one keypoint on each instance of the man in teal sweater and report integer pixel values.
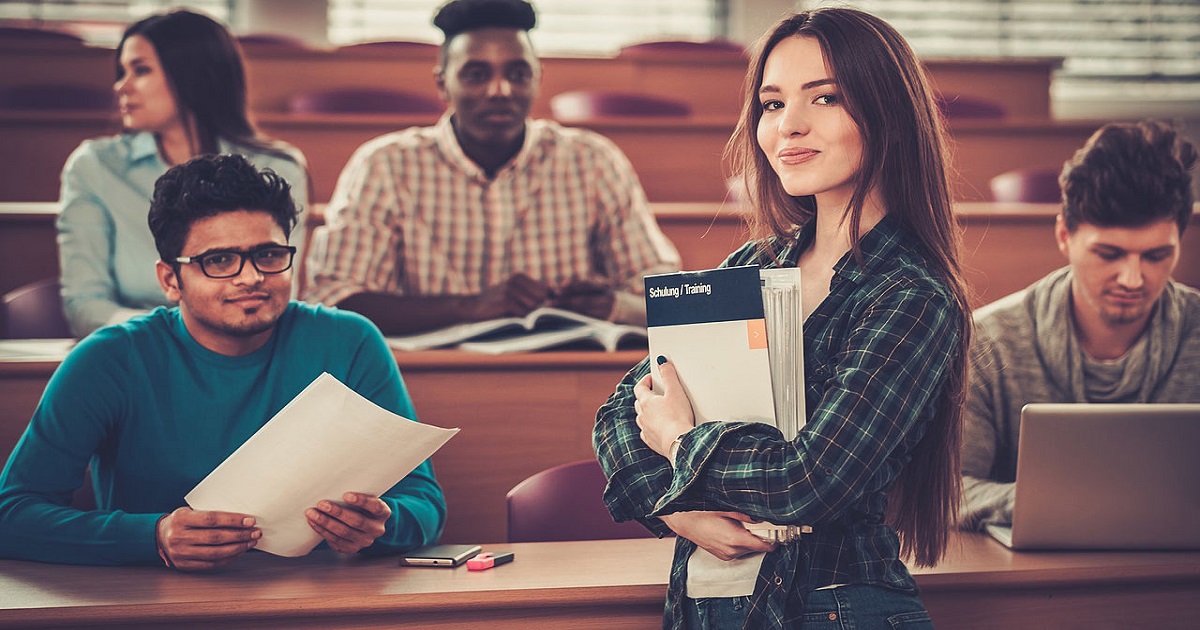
(154, 404)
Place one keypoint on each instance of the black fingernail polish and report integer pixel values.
(661, 359)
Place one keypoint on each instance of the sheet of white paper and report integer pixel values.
(327, 441)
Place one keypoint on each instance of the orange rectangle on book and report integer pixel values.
(756, 333)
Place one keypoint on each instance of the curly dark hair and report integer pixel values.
(1129, 175)
(458, 16)
(210, 185)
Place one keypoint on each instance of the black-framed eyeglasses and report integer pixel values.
(227, 263)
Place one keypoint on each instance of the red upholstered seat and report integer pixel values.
(680, 47)
(1033, 185)
(957, 106)
(38, 35)
(34, 311)
(56, 97)
(363, 101)
(266, 41)
(565, 502)
(397, 46)
(578, 106)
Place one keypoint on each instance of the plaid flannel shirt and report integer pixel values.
(413, 215)
(876, 354)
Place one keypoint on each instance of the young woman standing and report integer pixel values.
(842, 148)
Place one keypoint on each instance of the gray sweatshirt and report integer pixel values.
(1024, 350)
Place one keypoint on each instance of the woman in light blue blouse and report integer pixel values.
(181, 89)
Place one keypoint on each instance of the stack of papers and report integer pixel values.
(785, 343)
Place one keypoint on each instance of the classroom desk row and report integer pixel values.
(704, 234)
(675, 159)
(1005, 246)
(710, 82)
(587, 584)
(524, 413)
(519, 414)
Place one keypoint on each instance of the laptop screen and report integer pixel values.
(1108, 476)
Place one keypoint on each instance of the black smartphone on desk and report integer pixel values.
(439, 555)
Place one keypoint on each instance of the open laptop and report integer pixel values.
(1106, 476)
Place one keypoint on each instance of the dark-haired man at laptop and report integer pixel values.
(1110, 327)
(488, 213)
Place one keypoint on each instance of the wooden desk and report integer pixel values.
(704, 234)
(709, 82)
(21, 387)
(675, 159)
(680, 160)
(38, 144)
(28, 243)
(1006, 246)
(519, 414)
(592, 584)
(1020, 85)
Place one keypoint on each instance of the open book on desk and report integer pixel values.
(542, 328)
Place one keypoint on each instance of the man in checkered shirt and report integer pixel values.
(488, 213)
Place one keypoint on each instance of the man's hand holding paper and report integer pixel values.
(191, 540)
(350, 526)
(317, 469)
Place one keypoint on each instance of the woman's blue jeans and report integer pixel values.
(855, 606)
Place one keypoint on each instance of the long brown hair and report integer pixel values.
(888, 96)
(203, 67)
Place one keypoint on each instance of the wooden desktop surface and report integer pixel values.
(524, 413)
(709, 82)
(519, 414)
(1005, 246)
(590, 584)
(704, 234)
(675, 159)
